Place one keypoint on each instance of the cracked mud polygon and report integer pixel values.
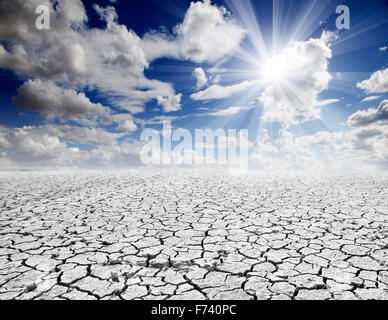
(186, 234)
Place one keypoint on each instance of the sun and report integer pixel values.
(273, 69)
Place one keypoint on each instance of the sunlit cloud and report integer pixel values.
(378, 82)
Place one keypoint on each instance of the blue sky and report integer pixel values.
(299, 83)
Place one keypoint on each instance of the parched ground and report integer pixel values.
(192, 235)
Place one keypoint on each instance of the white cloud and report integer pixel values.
(206, 34)
(226, 112)
(329, 36)
(370, 142)
(72, 12)
(171, 103)
(55, 102)
(216, 91)
(161, 119)
(48, 147)
(121, 47)
(27, 147)
(200, 75)
(82, 135)
(383, 48)
(4, 143)
(216, 79)
(370, 116)
(370, 98)
(357, 149)
(291, 99)
(127, 126)
(322, 138)
(285, 139)
(326, 102)
(262, 145)
(378, 82)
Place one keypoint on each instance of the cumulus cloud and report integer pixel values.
(286, 139)
(378, 82)
(200, 75)
(72, 12)
(121, 47)
(369, 132)
(82, 135)
(4, 143)
(371, 140)
(356, 149)
(55, 102)
(171, 103)
(127, 126)
(370, 116)
(329, 36)
(304, 75)
(49, 146)
(217, 91)
(262, 145)
(206, 34)
(383, 48)
(25, 147)
(57, 54)
(322, 138)
(296, 152)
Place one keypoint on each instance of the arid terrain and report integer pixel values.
(185, 234)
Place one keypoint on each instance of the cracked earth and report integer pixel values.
(192, 235)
